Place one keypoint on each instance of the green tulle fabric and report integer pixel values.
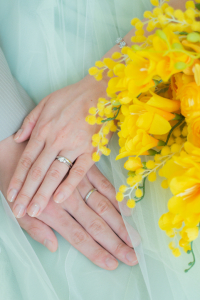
(50, 44)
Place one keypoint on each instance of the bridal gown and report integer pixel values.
(49, 44)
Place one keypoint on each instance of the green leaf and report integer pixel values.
(144, 165)
(115, 108)
(161, 34)
(161, 143)
(183, 33)
(178, 117)
(152, 152)
(197, 6)
(180, 65)
(131, 173)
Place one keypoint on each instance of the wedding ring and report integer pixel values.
(64, 160)
(120, 42)
(89, 194)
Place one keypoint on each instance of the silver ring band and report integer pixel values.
(89, 194)
(64, 160)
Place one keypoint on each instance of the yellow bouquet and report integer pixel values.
(154, 105)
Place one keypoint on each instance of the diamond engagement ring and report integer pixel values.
(64, 160)
(89, 194)
(120, 42)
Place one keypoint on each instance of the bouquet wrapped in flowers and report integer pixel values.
(154, 105)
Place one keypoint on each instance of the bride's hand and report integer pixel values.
(56, 126)
(96, 229)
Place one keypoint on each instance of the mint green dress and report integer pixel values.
(49, 44)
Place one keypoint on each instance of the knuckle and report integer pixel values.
(17, 182)
(26, 162)
(106, 185)
(79, 139)
(42, 198)
(102, 207)
(54, 174)
(97, 227)
(33, 231)
(42, 130)
(24, 197)
(122, 230)
(119, 249)
(98, 255)
(70, 187)
(36, 174)
(78, 171)
(79, 237)
(72, 203)
(29, 119)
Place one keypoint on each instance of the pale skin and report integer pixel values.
(57, 126)
(99, 233)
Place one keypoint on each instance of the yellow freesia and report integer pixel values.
(163, 103)
(133, 163)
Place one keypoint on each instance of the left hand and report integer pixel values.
(56, 126)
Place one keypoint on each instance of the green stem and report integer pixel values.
(192, 263)
(169, 134)
(110, 119)
(143, 187)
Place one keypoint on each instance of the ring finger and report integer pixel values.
(105, 209)
(52, 179)
(99, 229)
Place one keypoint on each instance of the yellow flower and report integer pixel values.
(192, 150)
(190, 234)
(163, 103)
(153, 123)
(196, 71)
(194, 129)
(140, 69)
(190, 98)
(138, 145)
(133, 163)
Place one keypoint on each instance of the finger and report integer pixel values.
(52, 179)
(30, 154)
(98, 229)
(29, 122)
(74, 233)
(105, 209)
(76, 174)
(33, 181)
(102, 184)
(39, 232)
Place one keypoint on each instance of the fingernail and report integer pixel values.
(131, 257)
(59, 197)
(17, 135)
(33, 210)
(12, 195)
(19, 210)
(48, 244)
(111, 263)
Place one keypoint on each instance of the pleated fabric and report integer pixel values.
(15, 104)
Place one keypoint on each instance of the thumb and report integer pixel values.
(29, 122)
